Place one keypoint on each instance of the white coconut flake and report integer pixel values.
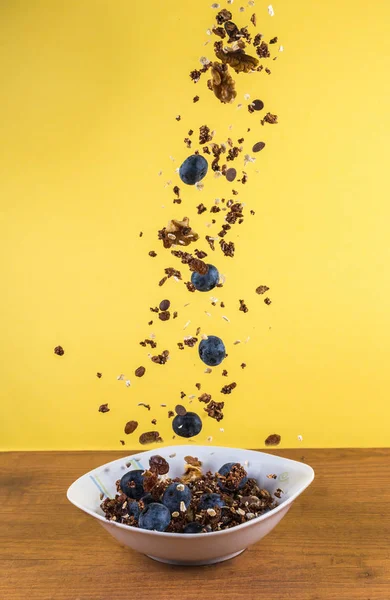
(217, 200)
(248, 159)
(208, 31)
(128, 383)
(177, 170)
(221, 429)
(247, 96)
(172, 158)
(207, 313)
(204, 336)
(271, 11)
(208, 224)
(247, 339)
(213, 299)
(217, 174)
(152, 336)
(176, 278)
(120, 377)
(180, 426)
(300, 438)
(246, 463)
(226, 319)
(222, 278)
(281, 48)
(199, 186)
(204, 61)
(186, 325)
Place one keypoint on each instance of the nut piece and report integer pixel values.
(222, 84)
(238, 60)
(177, 232)
(273, 440)
(130, 427)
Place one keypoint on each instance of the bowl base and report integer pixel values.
(197, 563)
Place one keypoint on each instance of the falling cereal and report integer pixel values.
(271, 11)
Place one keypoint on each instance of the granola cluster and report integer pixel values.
(235, 498)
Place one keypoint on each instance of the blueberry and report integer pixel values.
(133, 477)
(212, 351)
(225, 470)
(193, 169)
(205, 283)
(193, 527)
(154, 517)
(133, 509)
(174, 495)
(187, 425)
(148, 499)
(210, 501)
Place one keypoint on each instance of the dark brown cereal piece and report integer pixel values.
(227, 248)
(140, 234)
(59, 351)
(170, 414)
(154, 421)
(99, 375)
(165, 315)
(204, 398)
(176, 191)
(270, 118)
(182, 395)
(178, 117)
(155, 309)
(180, 345)
(262, 289)
(158, 464)
(250, 109)
(190, 341)
(274, 40)
(267, 301)
(253, 19)
(223, 16)
(220, 32)
(130, 427)
(175, 314)
(198, 386)
(232, 31)
(140, 372)
(188, 143)
(214, 410)
(122, 442)
(224, 373)
(149, 436)
(190, 286)
(227, 389)
(103, 408)
(200, 254)
(268, 71)
(257, 39)
(243, 365)
(273, 440)
(262, 50)
(150, 322)
(147, 406)
(195, 99)
(161, 359)
(153, 254)
(204, 134)
(215, 209)
(201, 208)
(243, 306)
(180, 410)
(195, 76)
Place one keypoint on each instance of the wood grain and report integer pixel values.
(333, 545)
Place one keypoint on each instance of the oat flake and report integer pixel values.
(300, 438)
(226, 319)
(120, 377)
(199, 186)
(281, 48)
(247, 96)
(128, 384)
(215, 5)
(271, 11)
(186, 325)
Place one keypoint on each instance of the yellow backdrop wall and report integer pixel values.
(90, 91)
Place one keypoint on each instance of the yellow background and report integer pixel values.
(89, 94)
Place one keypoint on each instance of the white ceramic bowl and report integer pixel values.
(186, 549)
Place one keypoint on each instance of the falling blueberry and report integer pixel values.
(193, 527)
(131, 484)
(193, 169)
(212, 351)
(187, 425)
(225, 470)
(210, 501)
(205, 283)
(175, 494)
(155, 517)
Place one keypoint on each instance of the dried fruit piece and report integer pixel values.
(231, 174)
(164, 304)
(223, 16)
(180, 410)
(258, 146)
(130, 427)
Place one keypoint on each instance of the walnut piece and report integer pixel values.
(238, 60)
(177, 232)
(222, 83)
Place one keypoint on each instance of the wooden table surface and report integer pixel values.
(334, 544)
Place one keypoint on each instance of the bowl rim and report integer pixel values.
(172, 535)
